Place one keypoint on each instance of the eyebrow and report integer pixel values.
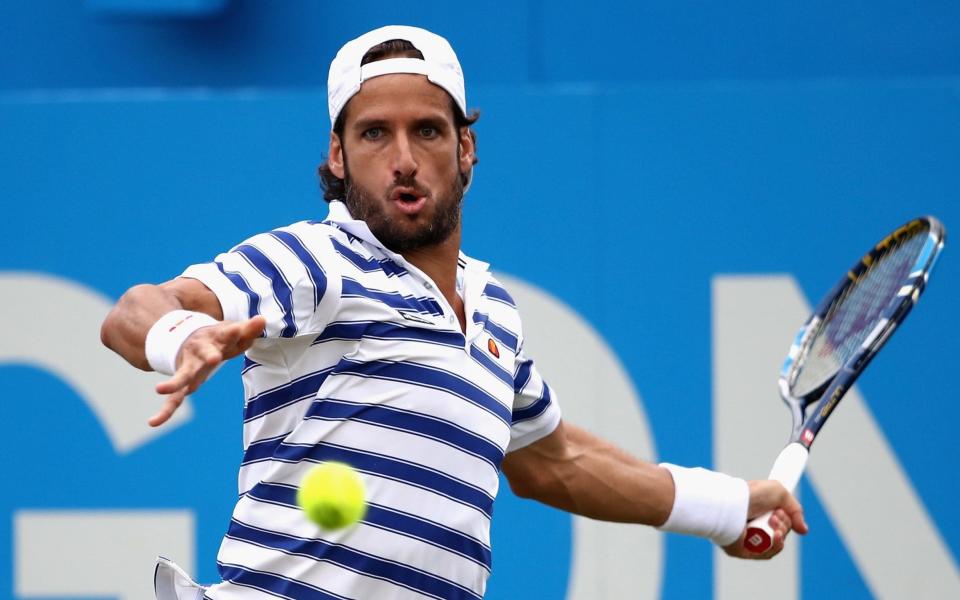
(368, 123)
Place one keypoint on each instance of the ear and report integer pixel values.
(468, 149)
(335, 156)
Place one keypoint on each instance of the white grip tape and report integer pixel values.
(167, 336)
(707, 504)
(789, 466)
(787, 469)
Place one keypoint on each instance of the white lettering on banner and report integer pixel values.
(97, 553)
(54, 324)
(594, 391)
(890, 536)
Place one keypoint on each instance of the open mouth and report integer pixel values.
(408, 200)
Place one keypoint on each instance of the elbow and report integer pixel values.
(105, 331)
(522, 487)
(527, 481)
(116, 329)
(108, 328)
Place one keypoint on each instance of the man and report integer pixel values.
(369, 338)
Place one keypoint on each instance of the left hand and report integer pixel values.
(200, 355)
(787, 515)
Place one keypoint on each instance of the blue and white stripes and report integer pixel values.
(363, 363)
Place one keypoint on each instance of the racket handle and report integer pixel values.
(787, 469)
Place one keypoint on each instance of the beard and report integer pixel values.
(365, 206)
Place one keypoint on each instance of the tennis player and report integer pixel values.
(370, 338)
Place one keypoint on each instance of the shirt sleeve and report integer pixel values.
(284, 275)
(535, 410)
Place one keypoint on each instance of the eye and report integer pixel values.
(429, 132)
(374, 133)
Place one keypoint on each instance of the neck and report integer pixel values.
(439, 262)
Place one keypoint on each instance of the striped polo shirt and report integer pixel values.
(363, 361)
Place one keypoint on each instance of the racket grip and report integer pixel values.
(787, 469)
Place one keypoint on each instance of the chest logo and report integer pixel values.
(492, 347)
(410, 316)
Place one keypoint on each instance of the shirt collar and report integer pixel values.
(340, 215)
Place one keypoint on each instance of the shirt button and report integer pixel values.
(428, 286)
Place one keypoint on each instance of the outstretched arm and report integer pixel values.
(576, 471)
(125, 331)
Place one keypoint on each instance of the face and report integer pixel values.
(401, 158)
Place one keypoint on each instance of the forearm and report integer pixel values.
(125, 328)
(576, 471)
(588, 476)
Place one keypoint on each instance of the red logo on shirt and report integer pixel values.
(492, 347)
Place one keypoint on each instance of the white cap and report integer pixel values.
(439, 64)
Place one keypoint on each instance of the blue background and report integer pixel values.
(629, 152)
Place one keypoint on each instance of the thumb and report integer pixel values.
(238, 336)
(252, 328)
(792, 507)
(798, 520)
(247, 331)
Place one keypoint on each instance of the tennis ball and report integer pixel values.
(333, 495)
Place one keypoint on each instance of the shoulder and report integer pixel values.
(496, 291)
(299, 251)
(304, 240)
(296, 234)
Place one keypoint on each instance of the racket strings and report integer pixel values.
(855, 313)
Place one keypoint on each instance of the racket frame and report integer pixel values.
(811, 411)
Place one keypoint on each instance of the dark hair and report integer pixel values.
(334, 187)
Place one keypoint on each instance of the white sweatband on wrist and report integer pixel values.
(167, 336)
(707, 504)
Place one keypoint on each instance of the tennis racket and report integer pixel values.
(839, 340)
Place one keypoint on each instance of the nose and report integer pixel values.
(404, 161)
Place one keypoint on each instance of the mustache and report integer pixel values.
(408, 182)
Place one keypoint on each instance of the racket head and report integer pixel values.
(854, 320)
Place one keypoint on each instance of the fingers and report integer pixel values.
(184, 382)
(197, 362)
(176, 382)
(771, 495)
(170, 406)
(781, 523)
(786, 516)
(200, 355)
(194, 362)
(776, 548)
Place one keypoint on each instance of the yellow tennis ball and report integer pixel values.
(333, 495)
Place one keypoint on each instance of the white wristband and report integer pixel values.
(168, 334)
(707, 504)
